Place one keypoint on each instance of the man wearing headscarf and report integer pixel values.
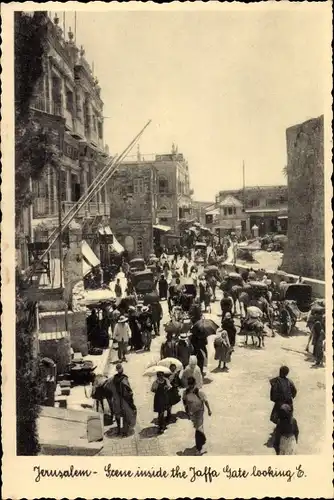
(121, 400)
(282, 391)
(192, 370)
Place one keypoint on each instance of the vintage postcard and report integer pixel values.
(166, 250)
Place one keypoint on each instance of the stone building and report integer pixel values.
(263, 206)
(67, 101)
(199, 210)
(305, 252)
(133, 200)
(149, 197)
(173, 189)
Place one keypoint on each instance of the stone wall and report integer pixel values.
(78, 331)
(305, 253)
(59, 350)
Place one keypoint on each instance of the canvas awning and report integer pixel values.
(213, 212)
(117, 247)
(159, 227)
(105, 230)
(89, 260)
(262, 210)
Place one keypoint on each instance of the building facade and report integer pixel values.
(199, 210)
(173, 190)
(67, 101)
(148, 199)
(305, 251)
(263, 206)
(133, 200)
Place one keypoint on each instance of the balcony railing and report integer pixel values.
(57, 109)
(42, 207)
(41, 104)
(90, 209)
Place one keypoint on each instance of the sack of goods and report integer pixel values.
(254, 312)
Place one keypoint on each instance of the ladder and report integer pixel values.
(98, 183)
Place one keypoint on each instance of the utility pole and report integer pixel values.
(243, 185)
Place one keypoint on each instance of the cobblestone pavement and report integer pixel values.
(239, 401)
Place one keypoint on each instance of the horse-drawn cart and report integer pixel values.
(294, 302)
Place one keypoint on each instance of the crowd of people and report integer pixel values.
(136, 325)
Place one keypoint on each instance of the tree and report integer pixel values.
(34, 150)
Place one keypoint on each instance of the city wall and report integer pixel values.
(305, 252)
(318, 286)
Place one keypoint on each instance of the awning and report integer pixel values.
(105, 230)
(159, 227)
(282, 217)
(89, 257)
(117, 246)
(213, 212)
(262, 210)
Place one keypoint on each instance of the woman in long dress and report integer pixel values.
(194, 401)
(161, 404)
(222, 348)
(192, 370)
(286, 432)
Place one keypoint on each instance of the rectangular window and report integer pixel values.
(230, 211)
(225, 211)
(63, 185)
(163, 185)
(75, 188)
(253, 203)
(138, 185)
(69, 100)
(103, 195)
(100, 130)
(234, 210)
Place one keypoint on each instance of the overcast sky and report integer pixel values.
(223, 86)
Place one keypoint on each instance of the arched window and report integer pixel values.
(163, 185)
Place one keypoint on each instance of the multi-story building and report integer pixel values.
(154, 194)
(262, 206)
(133, 199)
(67, 101)
(199, 210)
(173, 189)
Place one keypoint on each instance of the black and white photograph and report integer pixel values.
(171, 232)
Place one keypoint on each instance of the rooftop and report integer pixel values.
(255, 188)
(230, 201)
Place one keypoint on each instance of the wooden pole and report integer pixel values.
(243, 185)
